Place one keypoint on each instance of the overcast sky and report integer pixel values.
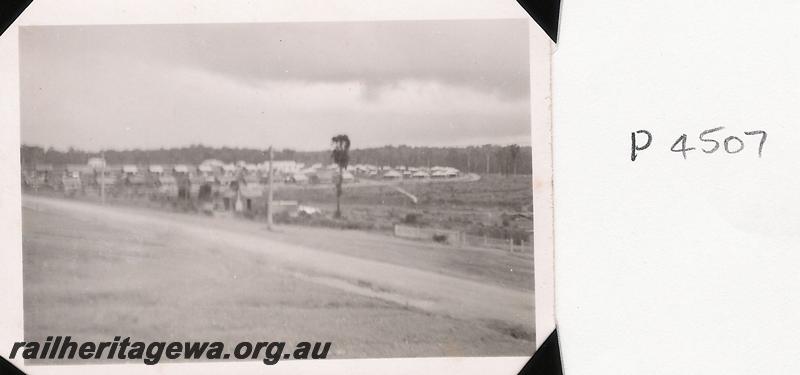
(294, 85)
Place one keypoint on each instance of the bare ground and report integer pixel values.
(96, 272)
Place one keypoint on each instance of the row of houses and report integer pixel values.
(167, 177)
(210, 186)
(403, 172)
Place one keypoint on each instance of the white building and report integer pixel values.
(130, 169)
(97, 162)
(282, 166)
(392, 175)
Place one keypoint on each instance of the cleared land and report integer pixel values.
(474, 204)
(95, 272)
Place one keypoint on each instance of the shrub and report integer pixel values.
(411, 218)
(441, 238)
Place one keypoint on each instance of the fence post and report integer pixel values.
(511, 245)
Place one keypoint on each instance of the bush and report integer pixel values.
(411, 218)
(441, 238)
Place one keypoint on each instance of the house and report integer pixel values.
(96, 163)
(392, 175)
(136, 179)
(248, 194)
(298, 178)
(323, 177)
(205, 169)
(451, 172)
(347, 177)
(228, 169)
(180, 168)
(420, 175)
(167, 186)
(308, 210)
(71, 182)
(156, 169)
(225, 181)
(250, 168)
(43, 168)
(80, 169)
(213, 163)
(286, 167)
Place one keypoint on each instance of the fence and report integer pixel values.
(461, 239)
(451, 237)
(509, 244)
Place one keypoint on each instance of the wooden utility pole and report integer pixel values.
(103, 179)
(269, 192)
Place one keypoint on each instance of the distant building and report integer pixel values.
(298, 178)
(228, 169)
(97, 162)
(80, 169)
(43, 168)
(168, 186)
(392, 175)
(283, 166)
(347, 177)
(156, 169)
(205, 169)
(322, 177)
(180, 168)
(212, 163)
(130, 169)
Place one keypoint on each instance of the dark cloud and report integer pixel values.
(487, 55)
(288, 84)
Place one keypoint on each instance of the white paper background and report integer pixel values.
(78, 12)
(665, 265)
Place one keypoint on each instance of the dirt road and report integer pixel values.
(438, 294)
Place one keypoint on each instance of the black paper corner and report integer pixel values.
(546, 360)
(9, 11)
(8, 368)
(546, 13)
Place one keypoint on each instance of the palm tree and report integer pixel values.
(341, 156)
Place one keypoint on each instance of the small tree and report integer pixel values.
(341, 156)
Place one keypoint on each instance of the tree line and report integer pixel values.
(500, 159)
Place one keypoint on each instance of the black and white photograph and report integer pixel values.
(365, 184)
(395, 187)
